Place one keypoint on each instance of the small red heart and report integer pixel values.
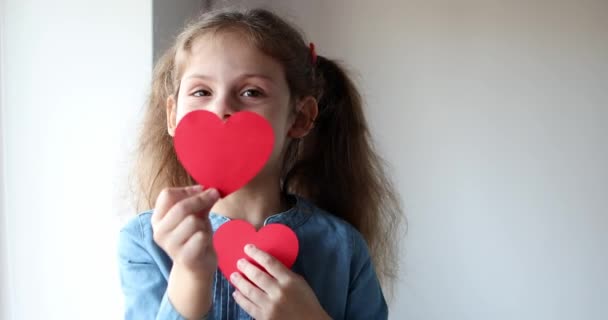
(223, 155)
(230, 239)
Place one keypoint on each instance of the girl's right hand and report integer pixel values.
(182, 229)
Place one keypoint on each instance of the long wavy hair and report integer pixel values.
(335, 166)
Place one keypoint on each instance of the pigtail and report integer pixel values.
(338, 168)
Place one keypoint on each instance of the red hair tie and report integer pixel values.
(313, 53)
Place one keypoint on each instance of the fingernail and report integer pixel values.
(194, 188)
(214, 194)
(240, 263)
(249, 247)
(234, 276)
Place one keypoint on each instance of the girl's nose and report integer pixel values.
(224, 107)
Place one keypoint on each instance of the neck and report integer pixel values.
(255, 202)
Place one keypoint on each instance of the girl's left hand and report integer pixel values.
(278, 294)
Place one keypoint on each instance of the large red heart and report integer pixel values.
(230, 239)
(223, 155)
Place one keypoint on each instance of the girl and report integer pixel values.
(323, 180)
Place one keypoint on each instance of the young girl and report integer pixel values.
(323, 180)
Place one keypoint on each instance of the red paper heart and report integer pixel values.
(223, 155)
(230, 239)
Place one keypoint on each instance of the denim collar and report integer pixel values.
(293, 217)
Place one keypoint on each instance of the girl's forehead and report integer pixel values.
(229, 52)
(222, 39)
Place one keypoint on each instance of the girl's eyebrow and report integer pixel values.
(257, 75)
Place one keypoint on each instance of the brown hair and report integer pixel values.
(335, 166)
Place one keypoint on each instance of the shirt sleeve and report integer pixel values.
(365, 297)
(143, 285)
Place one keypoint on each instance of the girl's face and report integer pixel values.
(225, 74)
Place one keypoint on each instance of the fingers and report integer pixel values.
(182, 233)
(194, 247)
(181, 226)
(169, 196)
(258, 277)
(246, 304)
(274, 267)
(198, 203)
(248, 289)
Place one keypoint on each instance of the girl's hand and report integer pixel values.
(182, 229)
(278, 294)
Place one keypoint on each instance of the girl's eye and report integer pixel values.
(252, 93)
(201, 93)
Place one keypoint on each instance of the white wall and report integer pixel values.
(4, 278)
(75, 75)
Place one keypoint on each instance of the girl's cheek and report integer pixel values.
(181, 112)
(188, 106)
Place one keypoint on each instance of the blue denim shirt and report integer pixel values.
(333, 258)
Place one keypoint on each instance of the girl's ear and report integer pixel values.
(306, 113)
(171, 115)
